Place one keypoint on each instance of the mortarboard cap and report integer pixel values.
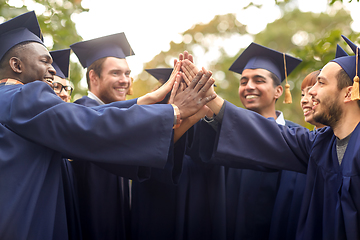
(340, 52)
(350, 64)
(161, 74)
(61, 61)
(257, 56)
(22, 28)
(115, 45)
(350, 43)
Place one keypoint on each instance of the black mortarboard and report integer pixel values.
(257, 56)
(161, 74)
(61, 61)
(22, 28)
(115, 45)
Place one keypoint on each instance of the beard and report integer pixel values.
(331, 114)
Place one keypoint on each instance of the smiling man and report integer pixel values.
(38, 129)
(257, 194)
(330, 157)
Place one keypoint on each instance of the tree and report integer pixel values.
(56, 24)
(311, 37)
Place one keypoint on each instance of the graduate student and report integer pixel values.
(254, 194)
(33, 118)
(330, 156)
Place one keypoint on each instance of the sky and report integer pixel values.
(150, 26)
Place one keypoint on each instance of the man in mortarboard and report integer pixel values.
(330, 157)
(108, 77)
(253, 195)
(38, 129)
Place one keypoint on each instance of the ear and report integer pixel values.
(94, 78)
(348, 94)
(278, 91)
(16, 65)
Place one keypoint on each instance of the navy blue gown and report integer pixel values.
(185, 201)
(331, 201)
(255, 196)
(104, 200)
(38, 129)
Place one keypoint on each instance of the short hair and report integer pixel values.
(97, 66)
(310, 79)
(13, 52)
(343, 80)
(276, 80)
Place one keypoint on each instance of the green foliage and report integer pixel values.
(309, 36)
(56, 22)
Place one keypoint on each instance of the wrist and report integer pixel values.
(215, 104)
(177, 119)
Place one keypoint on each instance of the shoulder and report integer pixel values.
(86, 101)
(291, 124)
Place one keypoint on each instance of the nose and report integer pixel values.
(250, 85)
(312, 91)
(52, 70)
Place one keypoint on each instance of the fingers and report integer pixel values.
(207, 99)
(174, 89)
(204, 80)
(186, 54)
(185, 78)
(182, 56)
(196, 79)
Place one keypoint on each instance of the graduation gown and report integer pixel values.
(37, 129)
(256, 197)
(185, 201)
(71, 201)
(331, 202)
(104, 194)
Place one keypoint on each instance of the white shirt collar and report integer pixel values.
(94, 97)
(280, 118)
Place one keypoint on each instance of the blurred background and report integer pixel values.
(215, 32)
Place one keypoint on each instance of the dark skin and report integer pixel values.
(32, 63)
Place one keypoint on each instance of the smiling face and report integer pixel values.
(307, 105)
(257, 91)
(326, 97)
(114, 81)
(36, 63)
(306, 102)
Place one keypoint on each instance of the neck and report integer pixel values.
(267, 113)
(347, 123)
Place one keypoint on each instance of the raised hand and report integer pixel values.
(159, 94)
(194, 96)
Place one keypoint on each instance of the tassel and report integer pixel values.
(355, 89)
(131, 91)
(288, 98)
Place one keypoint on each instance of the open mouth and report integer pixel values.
(251, 96)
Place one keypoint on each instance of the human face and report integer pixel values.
(114, 80)
(36, 62)
(307, 105)
(64, 95)
(327, 108)
(257, 91)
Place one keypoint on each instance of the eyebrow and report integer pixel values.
(256, 76)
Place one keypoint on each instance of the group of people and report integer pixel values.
(179, 162)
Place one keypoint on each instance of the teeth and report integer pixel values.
(307, 110)
(315, 103)
(251, 96)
